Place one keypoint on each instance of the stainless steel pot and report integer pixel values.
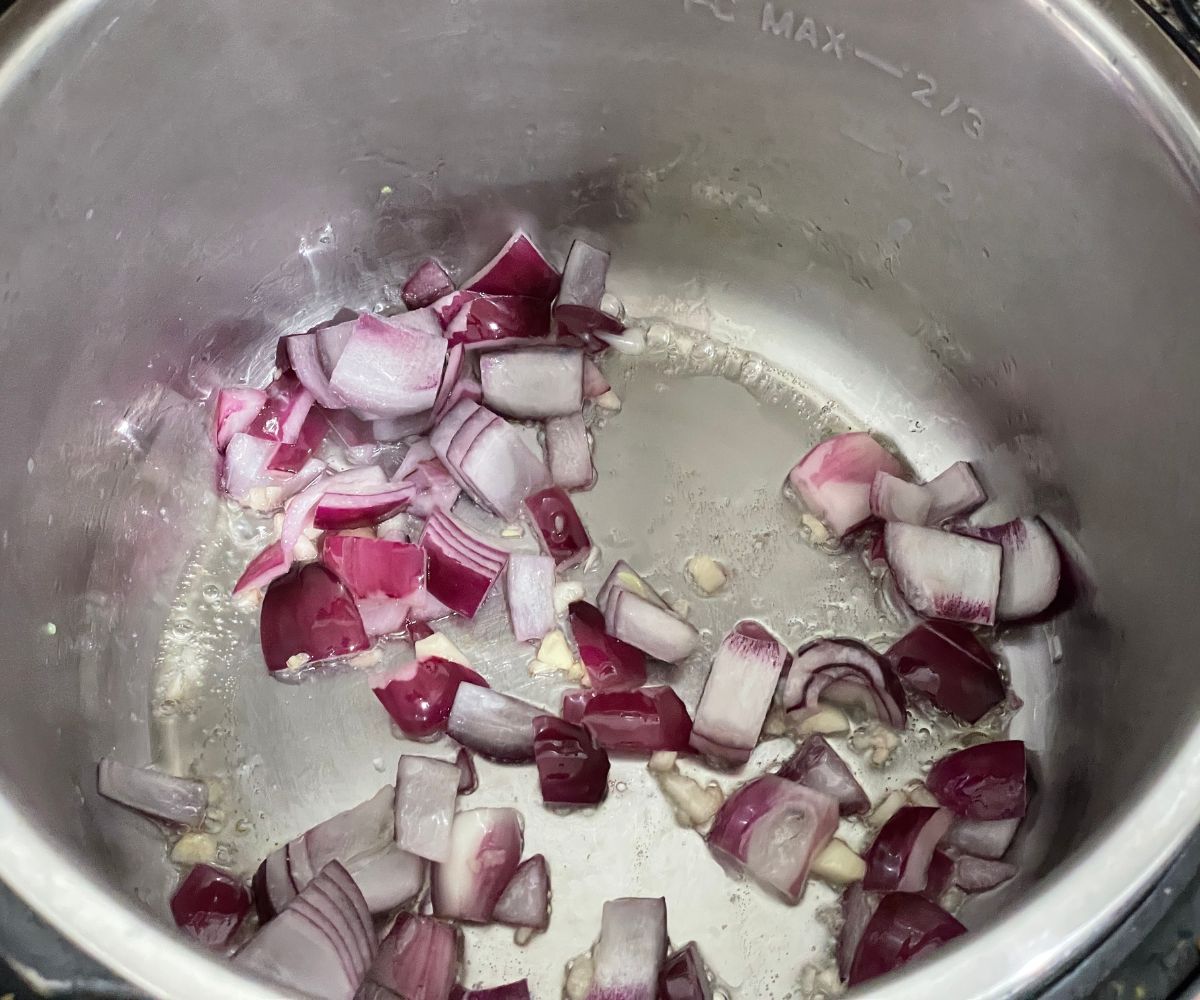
(973, 224)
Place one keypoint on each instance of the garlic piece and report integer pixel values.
(892, 803)
(194, 849)
(706, 574)
(828, 721)
(566, 594)
(438, 645)
(694, 804)
(876, 741)
(837, 864)
(608, 401)
(580, 973)
(662, 760)
(555, 656)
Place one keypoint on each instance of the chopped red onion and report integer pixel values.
(391, 368)
(817, 765)
(574, 704)
(210, 905)
(847, 673)
(858, 906)
(834, 479)
(529, 589)
(611, 665)
(943, 575)
(649, 626)
(343, 511)
(533, 383)
(485, 850)
(594, 382)
(525, 901)
(300, 513)
(981, 874)
(395, 429)
(418, 452)
(519, 268)
(283, 414)
(450, 305)
(468, 779)
(424, 607)
(435, 489)
(495, 725)
(903, 927)
(418, 960)
(559, 527)
(462, 566)
(629, 955)
(292, 458)
(940, 877)
(426, 792)
(305, 356)
(986, 781)
(356, 437)
(900, 856)
(179, 801)
(492, 322)
(245, 466)
(388, 879)
(569, 453)
(1030, 568)
(953, 492)
(339, 900)
(374, 567)
(382, 615)
(577, 310)
(309, 613)
(509, 991)
(982, 838)
(572, 769)
(428, 283)
(418, 694)
(894, 499)
(270, 564)
(771, 829)
(683, 976)
(642, 721)
(951, 667)
(456, 370)
(738, 693)
(235, 412)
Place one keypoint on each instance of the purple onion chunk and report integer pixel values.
(559, 527)
(529, 590)
(468, 777)
(1031, 567)
(569, 452)
(428, 283)
(941, 876)
(951, 667)
(497, 726)
(485, 850)
(533, 383)
(985, 782)
(594, 382)
(953, 492)
(636, 614)
(526, 899)
(899, 858)
(462, 566)
(577, 310)
(236, 409)
(418, 960)
(771, 829)
(846, 673)
(426, 792)
(903, 927)
(641, 721)
(164, 797)
(683, 976)
(309, 613)
(834, 480)
(629, 955)
(981, 874)
(574, 704)
(858, 906)
(419, 695)
(983, 838)
(374, 567)
(393, 367)
(519, 268)
(572, 769)
(388, 879)
(738, 693)
(611, 665)
(944, 575)
(817, 765)
(493, 322)
(896, 499)
(210, 905)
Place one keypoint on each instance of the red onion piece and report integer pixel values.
(738, 693)
(456, 369)
(525, 901)
(641, 721)
(435, 489)
(462, 566)
(572, 769)
(301, 509)
(418, 960)
(940, 877)
(374, 567)
(611, 665)
(986, 781)
(683, 976)
(332, 339)
(292, 458)
(424, 607)
(529, 589)
(426, 792)
(533, 383)
(847, 673)
(418, 452)
(492, 322)
(894, 499)
(428, 283)
(418, 695)
(343, 511)
(519, 268)
(903, 927)
(629, 955)
(283, 414)
(388, 879)
(245, 466)
(953, 492)
(574, 704)
(951, 667)
(771, 829)
(834, 479)
(652, 629)
(210, 905)
(395, 429)
(817, 765)
(943, 575)
(468, 779)
(577, 309)
(356, 437)
(559, 527)
(270, 564)
(594, 382)
(981, 874)
(236, 410)
(485, 850)
(899, 858)
(382, 615)
(982, 838)
(309, 612)
(391, 368)
(858, 906)
(569, 453)
(450, 305)
(179, 801)
(495, 725)
(304, 355)
(1030, 567)
(509, 991)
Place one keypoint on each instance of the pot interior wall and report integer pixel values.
(950, 218)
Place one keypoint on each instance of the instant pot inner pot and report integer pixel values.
(838, 216)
